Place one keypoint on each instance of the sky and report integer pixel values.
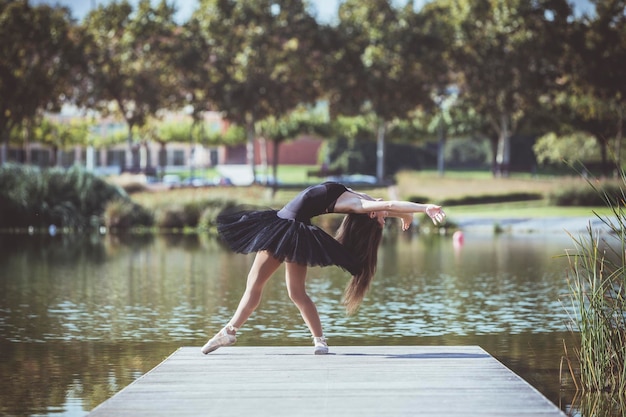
(326, 9)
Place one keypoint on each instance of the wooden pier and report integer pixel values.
(381, 381)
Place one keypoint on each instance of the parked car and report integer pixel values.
(355, 179)
(196, 182)
(171, 180)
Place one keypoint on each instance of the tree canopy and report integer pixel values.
(514, 66)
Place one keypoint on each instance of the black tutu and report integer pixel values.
(248, 231)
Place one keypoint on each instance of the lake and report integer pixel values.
(81, 317)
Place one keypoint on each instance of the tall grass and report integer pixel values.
(597, 282)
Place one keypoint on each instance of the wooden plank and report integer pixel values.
(351, 381)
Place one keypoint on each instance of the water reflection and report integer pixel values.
(81, 317)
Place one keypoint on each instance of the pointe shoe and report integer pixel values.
(221, 339)
(321, 346)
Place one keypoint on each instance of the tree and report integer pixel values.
(263, 56)
(385, 61)
(576, 111)
(60, 136)
(288, 127)
(37, 58)
(577, 147)
(129, 63)
(508, 55)
(597, 80)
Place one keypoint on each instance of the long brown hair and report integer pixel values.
(361, 235)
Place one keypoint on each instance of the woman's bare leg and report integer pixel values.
(263, 267)
(295, 278)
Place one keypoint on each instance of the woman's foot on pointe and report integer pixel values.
(224, 337)
(321, 346)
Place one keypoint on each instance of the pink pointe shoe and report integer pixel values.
(221, 339)
(321, 346)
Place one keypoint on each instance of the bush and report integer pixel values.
(490, 199)
(588, 196)
(125, 215)
(208, 218)
(70, 198)
(170, 218)
(134, 187)
(196, 214)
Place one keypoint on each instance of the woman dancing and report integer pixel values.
(288, 236)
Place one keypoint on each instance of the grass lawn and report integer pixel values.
(524, 210)
(418, 185)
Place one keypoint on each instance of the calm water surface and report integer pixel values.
(81, 318)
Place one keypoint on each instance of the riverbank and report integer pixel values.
(546, 225)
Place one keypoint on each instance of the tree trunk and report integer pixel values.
(132, 161)
(263, 157)
(28, 130)
(503, 154)
(618, 142)
(3, 152)
(275, 168)
(162, 158)
(441, 146)
(192, 143)
(603, 155)
(380, 152)
(250, 147)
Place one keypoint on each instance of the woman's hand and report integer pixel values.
(435, 213)
(379, 216)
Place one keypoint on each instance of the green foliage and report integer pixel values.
(489, 199)
(124, 215)
(606, 191)
(176, 131)
(37, 60)
(191, 215)
(172, 217)
(61, 135)
(575, 148)
(385, 60)
(465, 153)
(507, 52)
(66, 198)
(597, 281)
(129, 60)
(508, 60)
(213, 208)
(264, 56)
(234, 135)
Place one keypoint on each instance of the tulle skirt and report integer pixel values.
(248, 231)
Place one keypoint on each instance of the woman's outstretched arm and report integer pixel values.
(353, 203)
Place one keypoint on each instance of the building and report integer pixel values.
(153, 157)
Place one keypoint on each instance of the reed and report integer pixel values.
(597, 282)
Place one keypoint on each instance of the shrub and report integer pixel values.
(588, 196)
(67, 198)
(489, 199)
(122, 215)
(170, 218)
(195, 214)
(134, 187)
(208, 218)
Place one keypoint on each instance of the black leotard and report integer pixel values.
(313, 201)
(288, 233)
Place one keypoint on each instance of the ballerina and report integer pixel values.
(287, 235)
